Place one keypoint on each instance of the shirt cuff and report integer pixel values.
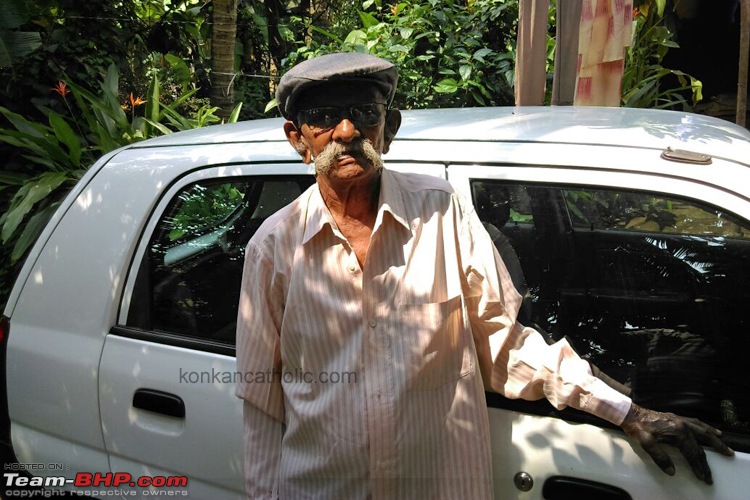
(607, 403)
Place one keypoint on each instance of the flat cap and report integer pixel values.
(347, 66)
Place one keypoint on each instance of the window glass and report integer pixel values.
(638, 211)
(648, 286)
(188, 283)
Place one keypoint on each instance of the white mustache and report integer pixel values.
(324, 161)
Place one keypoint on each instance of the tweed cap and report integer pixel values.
(348, 66)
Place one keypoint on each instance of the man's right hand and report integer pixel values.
(652, 428)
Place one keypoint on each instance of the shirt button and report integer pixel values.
(352, 268)
(373, 323)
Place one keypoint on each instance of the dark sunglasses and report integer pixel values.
(362, 115)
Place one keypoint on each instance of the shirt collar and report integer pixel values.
(391, 201)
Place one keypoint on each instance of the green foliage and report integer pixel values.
(62, 150)
(15, 44)
(449, 54)
(201, 209)
(646, 83)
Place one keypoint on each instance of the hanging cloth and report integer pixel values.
(605, 30)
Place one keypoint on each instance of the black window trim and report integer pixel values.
(174, 340)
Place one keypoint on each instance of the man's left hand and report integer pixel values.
(652, 428)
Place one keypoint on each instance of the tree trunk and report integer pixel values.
(222, 56)
(276, 45)
(743, 65)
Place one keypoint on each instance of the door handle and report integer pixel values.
(569, 488)
(159, 402)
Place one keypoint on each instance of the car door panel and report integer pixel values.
(545, 447)
(168, 370)
(205, 444)
(620, 297)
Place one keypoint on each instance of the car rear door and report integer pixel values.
(167, 376)
(646, 276)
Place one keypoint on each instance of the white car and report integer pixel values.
(632, 229)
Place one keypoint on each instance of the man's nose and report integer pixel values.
(345, 131)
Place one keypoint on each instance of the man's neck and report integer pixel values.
(356, 199)
(354, 207)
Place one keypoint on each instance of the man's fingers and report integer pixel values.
(709, 436)
(695, 457)
(652, 429)
(659, 456)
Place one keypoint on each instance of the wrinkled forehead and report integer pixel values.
(340, 93)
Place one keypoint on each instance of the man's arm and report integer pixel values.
(258, 366)
(614, 384)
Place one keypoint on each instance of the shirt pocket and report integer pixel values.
(435, 344)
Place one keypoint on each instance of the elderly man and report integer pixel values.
(387, 286)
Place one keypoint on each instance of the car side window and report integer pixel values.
(189, 280)
(648, 212)
(649, 287)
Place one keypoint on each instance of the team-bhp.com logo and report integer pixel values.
(90, 480)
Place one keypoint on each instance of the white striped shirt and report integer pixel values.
(378, 373)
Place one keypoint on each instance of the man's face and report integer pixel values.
(342, 127)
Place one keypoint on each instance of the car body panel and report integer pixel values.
(138, 436)
(546, 447)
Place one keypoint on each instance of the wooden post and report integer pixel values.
(743, 65)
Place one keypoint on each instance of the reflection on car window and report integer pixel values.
(202, 207)
(189, 281)
(638, 211)
(643, 284)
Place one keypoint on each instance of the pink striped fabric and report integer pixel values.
(377, 374)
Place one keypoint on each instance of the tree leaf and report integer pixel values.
(327, 33)
(32, 231)
(235, 114)
(481, 53)
(111, 83)
(15, 45)
(22, 124)
(65, 134)
(106, 143)
(159, 126)
(465, 71)
(355, 37)
(446, 86)
(12, 178)
(14, 14)
(398, 48)
(660, 6)
(405, 32)
(478, 98)
(271, 104)
(39, 189)
(368, 20)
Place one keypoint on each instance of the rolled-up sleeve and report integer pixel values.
(516, 361)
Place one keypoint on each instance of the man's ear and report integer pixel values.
(297, 140)
(392, 124)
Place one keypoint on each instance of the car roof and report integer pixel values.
(629, 127)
